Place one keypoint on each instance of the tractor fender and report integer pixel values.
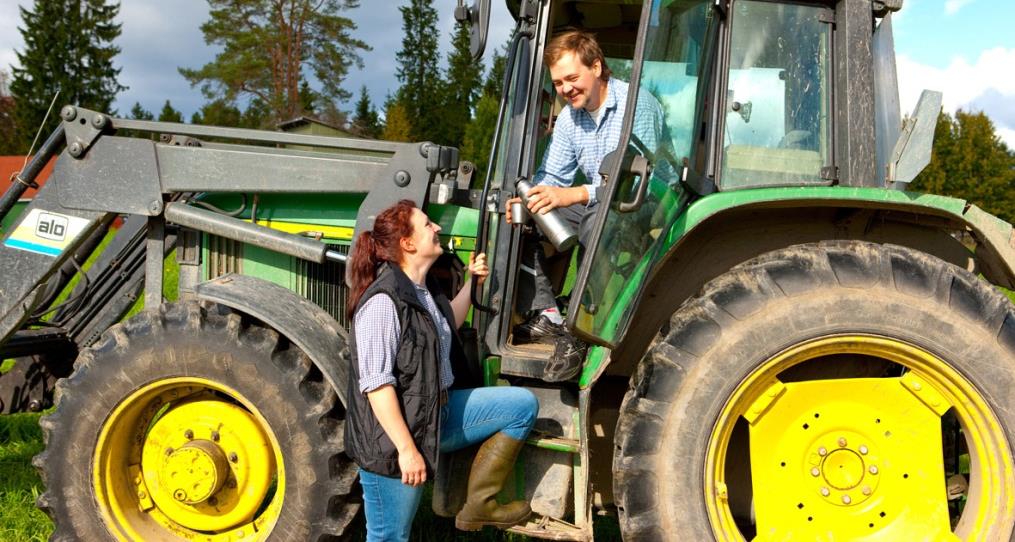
(721, 231)
(305, 324)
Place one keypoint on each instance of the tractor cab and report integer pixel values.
(724, 95)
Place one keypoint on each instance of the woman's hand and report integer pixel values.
(413, 468)
(478, 268)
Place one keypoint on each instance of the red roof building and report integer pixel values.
(9, 165)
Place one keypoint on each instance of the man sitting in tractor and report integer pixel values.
(585, 132)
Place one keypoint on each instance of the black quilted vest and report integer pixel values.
(417, 376)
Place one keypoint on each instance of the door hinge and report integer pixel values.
(830, 173)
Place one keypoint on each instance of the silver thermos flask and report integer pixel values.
(551, 224)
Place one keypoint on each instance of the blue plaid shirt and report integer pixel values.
(579, 143)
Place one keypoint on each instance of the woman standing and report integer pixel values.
(411, 393)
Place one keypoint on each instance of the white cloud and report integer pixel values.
(1008, 136)
(953, 6)
(987, 84)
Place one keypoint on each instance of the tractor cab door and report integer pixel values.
(648, 181)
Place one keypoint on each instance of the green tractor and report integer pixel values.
(786, 344)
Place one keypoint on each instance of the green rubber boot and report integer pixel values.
(490, 469)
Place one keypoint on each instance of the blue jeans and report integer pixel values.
(470, 416)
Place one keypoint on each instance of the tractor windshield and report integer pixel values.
(644, 201)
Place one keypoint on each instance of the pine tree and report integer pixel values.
(138, 112)
(462, 90)
(478, 138)
(170, 114)
(494, 83)
(270, 47)
(365, 122)
(397, 126)
(68, 48)
(418, 72)
(218, 113)
(969, 161)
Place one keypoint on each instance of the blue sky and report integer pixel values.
(965, 48)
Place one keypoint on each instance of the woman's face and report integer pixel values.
(424, 242)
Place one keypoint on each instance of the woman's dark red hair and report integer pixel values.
(376, 246)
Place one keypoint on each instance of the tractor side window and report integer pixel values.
(777, 101)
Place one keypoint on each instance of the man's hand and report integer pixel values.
(413, 468)
(543, 198)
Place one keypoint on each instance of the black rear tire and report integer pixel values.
(764, 307)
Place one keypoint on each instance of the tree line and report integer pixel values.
(269, 49)
(277, 60)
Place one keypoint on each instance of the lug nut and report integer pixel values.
(873, 469)
(233, 457)
(846, 499)
(866, 490)
(822, 451)
(863, 449)
(169, 451)
(825, 492)
(180, 495)
(189, 434)
(215, 436)
(842, 442)
(815, 471)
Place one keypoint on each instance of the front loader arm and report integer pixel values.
(99, 174)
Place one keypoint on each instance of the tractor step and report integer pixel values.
(548, 528)
(557, 444)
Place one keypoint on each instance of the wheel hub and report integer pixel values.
(207, 464)
(195, 472)
(843, 467)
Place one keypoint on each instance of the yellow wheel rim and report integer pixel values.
(859, 457)
(188, 458)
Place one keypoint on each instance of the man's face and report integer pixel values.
(577, 83)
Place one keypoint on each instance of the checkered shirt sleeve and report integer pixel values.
(377, 335)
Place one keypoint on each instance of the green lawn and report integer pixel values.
(20, 439)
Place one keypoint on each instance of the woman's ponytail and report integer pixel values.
(364, 268)
(376, 246)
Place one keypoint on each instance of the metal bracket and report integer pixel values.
(830, 173)
(82, 127)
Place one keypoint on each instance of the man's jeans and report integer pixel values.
(470, 416)
(535, 292)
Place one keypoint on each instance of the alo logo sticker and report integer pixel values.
(46, 232)
(52, 227)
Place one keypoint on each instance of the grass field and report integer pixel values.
(20, 439)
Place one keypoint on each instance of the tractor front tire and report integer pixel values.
(833, 391)
(194, 422)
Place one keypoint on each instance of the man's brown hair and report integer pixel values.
(582, 44)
